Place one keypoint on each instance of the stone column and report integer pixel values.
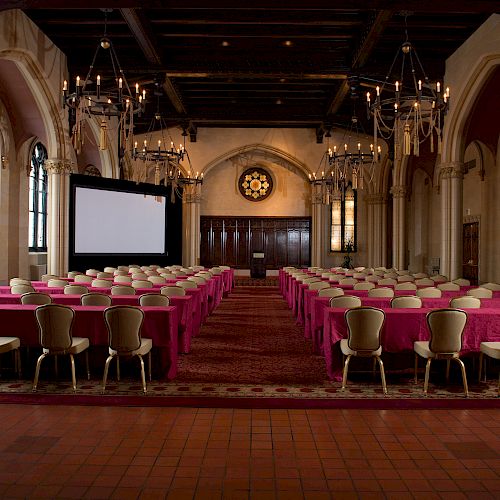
(318, 244)
(191, 200)
(399, 226)
(377, 229)
(451, 190)
(58, 171)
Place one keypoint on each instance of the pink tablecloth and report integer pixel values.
(160, 325)
(405, 326)
(317, 306)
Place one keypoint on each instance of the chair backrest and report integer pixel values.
(461, 282)
(47, 277)
(407, 285)
(359, 275)
(95, 299)
(124, 327)
(120, 273)
(480, 293)
(406, 302)
(20, 289)
(312, 279)
(109, 269)
(142, 284)
(72, 274)
(348, 281)
(122, 279)
(19, 281)
(345, 301)
(168, 276)
(419, 276)
(36, 298)
(331, 292)
(387, 281)
(373, 278)
(405, 278)
(54, 325)
(157, 280)
(139, 276)
(123, 268)
(172, 290)
(75, 290)
(439, 278)
(364, 285)
(179, 273)
(216, 270)
(154, 299)
(491, 286)
(448, 286)
(197, 279)
(392, 275)
(424, 282)
(151, 273)
(82, 278)
(381, 292)
(102, 283)
(56, 283)
(363, 326)
(103, 275)
(446, 327)
(92, 272)
(122, 290)
(318, 285)
(429, 293)
(186, 284)
(465, 302)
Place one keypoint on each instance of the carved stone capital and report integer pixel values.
(399, 191)
(191, 197)
(58, 166)
(451, 170)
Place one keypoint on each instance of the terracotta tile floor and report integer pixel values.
(120, 452)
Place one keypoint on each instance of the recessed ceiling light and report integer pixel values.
(288, 43)
(225, 43)
(279, 101)
(282, 80)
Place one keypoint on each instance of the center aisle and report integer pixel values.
(251, 338)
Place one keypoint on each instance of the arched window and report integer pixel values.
(38, 200)
(343, 226)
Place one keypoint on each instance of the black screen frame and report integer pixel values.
(172, 231)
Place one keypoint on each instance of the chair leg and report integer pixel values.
(464, 376)
(481, 356)
(374, 368)
(416, 368)
(143, 375)
(56, 366)
(448, 371)
(73, 375)
(427, 371)
(382, 374)
(37, 371)
(118, 368)
(149, 364)
(19, 368)
(87, 363)
(344, 376)
(105, 376)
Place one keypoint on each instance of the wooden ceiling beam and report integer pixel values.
(143, 34)
(361, 56)
(257, 76)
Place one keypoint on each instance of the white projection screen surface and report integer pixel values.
(117, 222)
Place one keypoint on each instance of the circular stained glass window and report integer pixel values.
(255, 184)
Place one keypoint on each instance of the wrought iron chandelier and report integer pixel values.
(154, 153)
(109, 99)
(407, 108)
(346, 164)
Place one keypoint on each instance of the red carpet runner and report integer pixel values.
(251, 338)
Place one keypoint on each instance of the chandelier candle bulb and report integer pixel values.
(137, 88)
(65, 86)
(98, 87)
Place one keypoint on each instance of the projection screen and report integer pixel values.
(117, 222)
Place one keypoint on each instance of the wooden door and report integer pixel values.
(470, 267)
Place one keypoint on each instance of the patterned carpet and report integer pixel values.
(250, 353)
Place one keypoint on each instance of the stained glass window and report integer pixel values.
(38, 200)
(343, 226)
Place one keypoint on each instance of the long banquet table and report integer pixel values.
(160, 325)
(402, 328)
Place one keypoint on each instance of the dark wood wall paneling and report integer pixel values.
(231, 241)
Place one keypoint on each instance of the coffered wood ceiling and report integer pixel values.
(257, 63)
